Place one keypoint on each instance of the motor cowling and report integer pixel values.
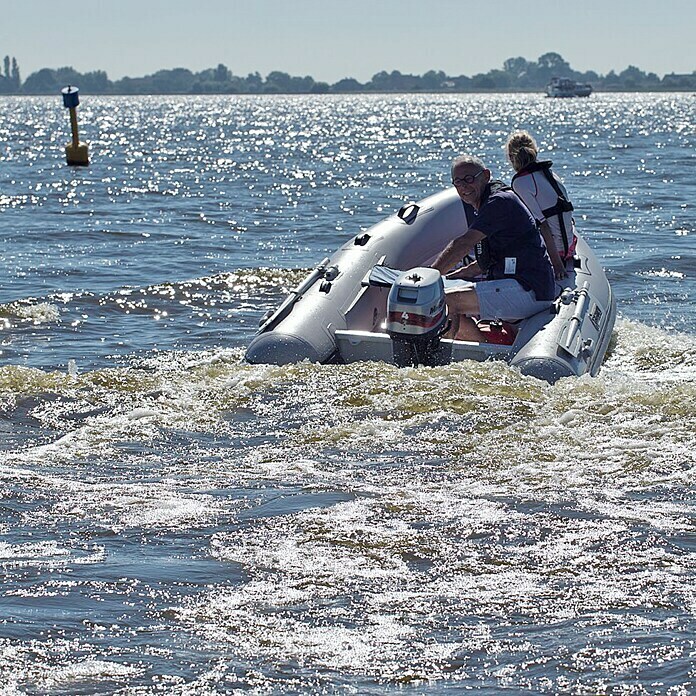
(417, 316)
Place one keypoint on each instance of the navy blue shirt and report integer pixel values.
(515, 248)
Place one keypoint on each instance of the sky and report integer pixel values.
(333, 39)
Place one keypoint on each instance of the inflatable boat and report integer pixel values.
(376, 299)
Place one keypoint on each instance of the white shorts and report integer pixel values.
(504, 300)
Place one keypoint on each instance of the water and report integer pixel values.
(175, 521)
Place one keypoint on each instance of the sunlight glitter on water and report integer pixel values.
(176, 521)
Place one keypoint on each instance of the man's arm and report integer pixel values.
(457, 249)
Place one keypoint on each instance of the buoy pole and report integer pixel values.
(73, 126)
(75, 152)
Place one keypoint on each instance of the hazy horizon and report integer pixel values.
(328, 40)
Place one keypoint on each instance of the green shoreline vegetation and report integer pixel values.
(516, 75)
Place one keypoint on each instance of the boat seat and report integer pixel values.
(381, 277)
(385, 277)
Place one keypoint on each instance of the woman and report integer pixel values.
(546, 197)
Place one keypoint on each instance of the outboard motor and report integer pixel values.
(417, 317)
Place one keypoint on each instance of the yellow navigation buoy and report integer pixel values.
(76, 152)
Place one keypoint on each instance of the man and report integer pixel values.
(509, 252)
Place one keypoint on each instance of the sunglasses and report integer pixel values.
(468, 179)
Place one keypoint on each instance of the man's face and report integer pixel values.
(470, 181)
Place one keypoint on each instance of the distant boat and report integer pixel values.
(565, 87)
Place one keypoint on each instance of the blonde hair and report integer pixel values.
(521, 150)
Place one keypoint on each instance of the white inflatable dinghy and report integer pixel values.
(377, 299)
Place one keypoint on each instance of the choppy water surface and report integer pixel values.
(175, 521)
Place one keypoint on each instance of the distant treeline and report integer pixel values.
(517, 74)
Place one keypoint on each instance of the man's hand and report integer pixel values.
(468, 272)
(456, 250)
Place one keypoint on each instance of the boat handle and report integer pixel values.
(408, 212)
(576, 320)
(294, 296)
